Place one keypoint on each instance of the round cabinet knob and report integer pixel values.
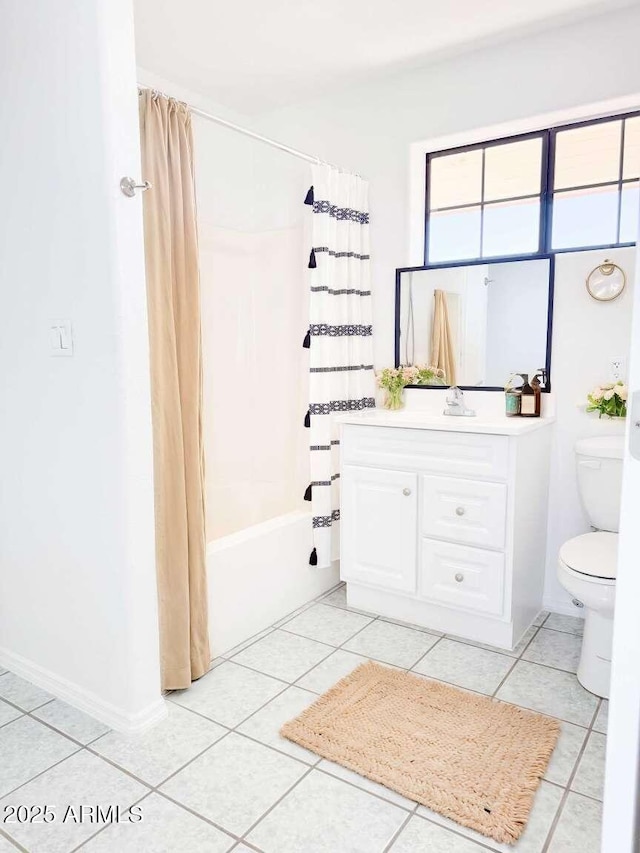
(459, 510)
(406, 492)
(459, 577)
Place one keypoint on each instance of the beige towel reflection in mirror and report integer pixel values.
(442, 341)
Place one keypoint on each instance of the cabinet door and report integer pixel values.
(378, 527)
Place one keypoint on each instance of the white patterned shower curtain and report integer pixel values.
(342, 378)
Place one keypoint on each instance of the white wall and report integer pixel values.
(621, 820)
(77, 569)
(372, 129)
(586, 334)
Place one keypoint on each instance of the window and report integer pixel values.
(566, 188)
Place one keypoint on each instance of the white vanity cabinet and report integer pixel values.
(443, 521)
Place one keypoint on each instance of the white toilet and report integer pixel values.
(587, 563)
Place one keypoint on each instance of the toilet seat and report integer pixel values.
(593, 555)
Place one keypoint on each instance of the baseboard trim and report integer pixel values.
(82, 699)
(562, 606)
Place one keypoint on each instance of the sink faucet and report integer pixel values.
(456, 405)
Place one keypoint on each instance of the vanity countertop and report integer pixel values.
(415, 419)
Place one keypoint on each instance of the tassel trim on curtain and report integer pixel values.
(340, 339)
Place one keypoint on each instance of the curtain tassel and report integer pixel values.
(308, 199)
(312, 260)
(313, 558)
(307, 494)
(306, 343)
(307, 419)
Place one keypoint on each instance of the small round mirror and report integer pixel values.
(606, 282)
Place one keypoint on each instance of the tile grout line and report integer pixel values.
(233, 835)
(286, 686)
(248, 844)
(366, 790)
(311, 767)
(413, 670)
(254, 638)
(515, 662)
(12, 841)
(373, 619)
(406, 669)
(457, 833)
(150, 788)
(397, 833)
(566, 789)
(572, 791)
(42, 772)
(401, 624)
(236, 728)
(102, 828)
(157, 788)
(548, 666)
(570, 780)
(277, 803)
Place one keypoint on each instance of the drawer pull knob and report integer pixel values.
(406, 492)
(459, 510)
(459, 577)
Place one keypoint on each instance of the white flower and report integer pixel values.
(609, 393)
(597, 394)
(622, 391)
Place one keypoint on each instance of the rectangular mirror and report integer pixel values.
(478, 322)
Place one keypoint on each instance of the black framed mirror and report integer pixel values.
(478, 321)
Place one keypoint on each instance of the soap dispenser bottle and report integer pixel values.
(530, 399)
(538, 380)
(527, 399)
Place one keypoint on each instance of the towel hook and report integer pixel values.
(129, 186)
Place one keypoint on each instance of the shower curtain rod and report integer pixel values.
(239, 129)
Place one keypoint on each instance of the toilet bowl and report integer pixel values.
(587, 563)
(587, 570)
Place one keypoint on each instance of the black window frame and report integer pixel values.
(548, 137)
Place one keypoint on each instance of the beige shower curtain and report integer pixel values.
(173, 295)
(442, 343)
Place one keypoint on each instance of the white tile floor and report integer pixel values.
(215, 776)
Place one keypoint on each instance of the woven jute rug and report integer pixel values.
(470, 758)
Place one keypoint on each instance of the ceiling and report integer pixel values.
(257, 55)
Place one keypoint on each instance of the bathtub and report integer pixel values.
(260, 574)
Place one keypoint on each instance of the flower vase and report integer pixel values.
(394, 399)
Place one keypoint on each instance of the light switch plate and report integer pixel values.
(60, 338)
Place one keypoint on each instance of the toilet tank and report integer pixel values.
(599, 461)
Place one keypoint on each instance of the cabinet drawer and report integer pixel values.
(468, 511)
(458, 576)
(461, 454)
